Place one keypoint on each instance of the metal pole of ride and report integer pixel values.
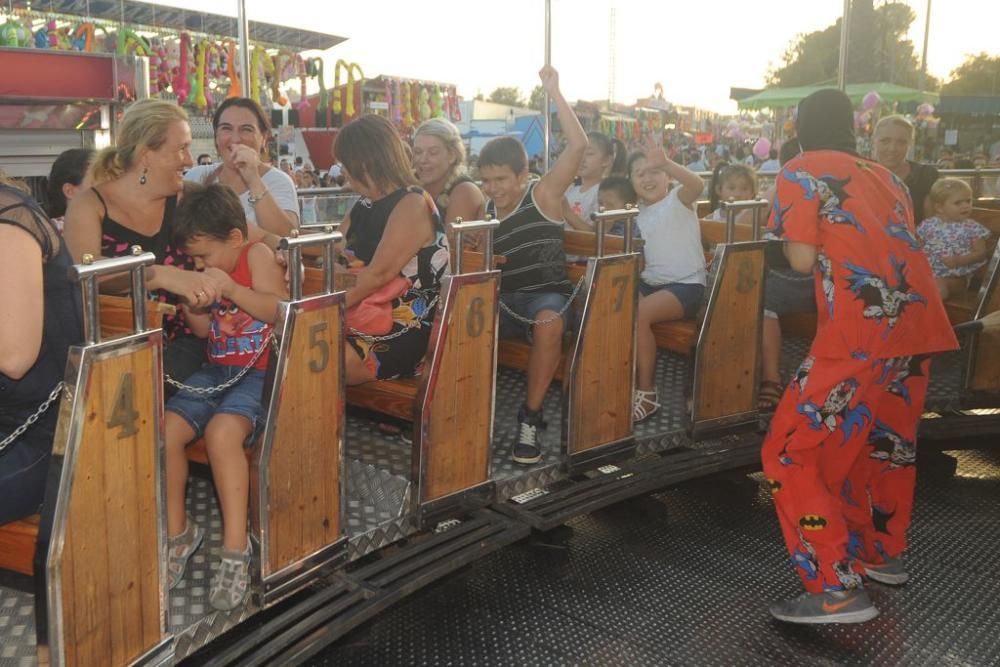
(243, 30)
(923, 59)
(548, 61)
(845, 31)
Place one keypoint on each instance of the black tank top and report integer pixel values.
(368, 221)
(117, 241)
(532, 246)
(63, 323)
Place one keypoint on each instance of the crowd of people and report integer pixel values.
(214, 229)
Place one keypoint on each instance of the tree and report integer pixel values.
(978, 75)
(879, 51)
(509, 95)
(537, 99)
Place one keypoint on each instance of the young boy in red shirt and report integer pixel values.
(839, 456)
(211, 227)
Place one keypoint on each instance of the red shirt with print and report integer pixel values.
(875, 292)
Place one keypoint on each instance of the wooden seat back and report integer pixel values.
(297, 464)
(104, 549)
(983, 369)
(727, 354)
(116, 314)
(453, 423)
(599, 379)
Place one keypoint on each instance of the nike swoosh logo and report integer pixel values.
(832, 607)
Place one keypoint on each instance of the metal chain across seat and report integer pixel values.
(207, 391)
(33, 418)
(559, 313)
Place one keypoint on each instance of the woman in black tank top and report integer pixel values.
(393, 231)
(138, 183)
(41, 317)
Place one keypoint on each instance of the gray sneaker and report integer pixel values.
(179, 551)
(890, 572)
(851, 606)
(231, 581)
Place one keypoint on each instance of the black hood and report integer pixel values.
(826, 122)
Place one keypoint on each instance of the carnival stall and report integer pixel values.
(91, 57)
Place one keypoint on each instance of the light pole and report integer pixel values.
(923, 59)
(548, 61)
(845, 33)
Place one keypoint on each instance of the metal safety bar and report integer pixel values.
(294, 244)
(731, 208)
(976, 174)
(87, 275)
(460, 227)
(626, 215)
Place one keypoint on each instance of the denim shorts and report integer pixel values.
(786, 291)
(529, 305)
(243, 398)
(689, 294)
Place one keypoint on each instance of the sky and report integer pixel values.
(696, 49)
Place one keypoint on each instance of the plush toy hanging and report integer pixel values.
(303, 71)
(346, 108)
(14, 33)
(198, 97)
(388, 98)
(181, 85)
(127, 41)
(42, 37)
(283, 70)
(396, 107)
(83, 37)
(235, 88)
(456, 110)
(314, 67)
(255, 75)
(425, 103)
(406, 106)
(437, 102)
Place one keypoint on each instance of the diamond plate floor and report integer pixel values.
(684, 577)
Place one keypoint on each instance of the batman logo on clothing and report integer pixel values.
(812, 522)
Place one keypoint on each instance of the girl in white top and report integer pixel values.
(267, 194)
(672, 284)
(604, 157)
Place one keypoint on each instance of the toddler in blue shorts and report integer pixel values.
(236, 320)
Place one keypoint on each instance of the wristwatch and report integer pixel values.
(253, 200)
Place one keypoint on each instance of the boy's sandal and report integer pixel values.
(769, 395)
(644, 404)
(179, 551)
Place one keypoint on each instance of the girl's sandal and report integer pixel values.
(644, 404)
(769, 395)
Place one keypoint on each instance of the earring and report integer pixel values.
(142, 179)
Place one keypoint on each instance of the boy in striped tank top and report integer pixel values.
(533, 282)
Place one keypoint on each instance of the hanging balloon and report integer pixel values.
(762, 148)
(871, 100)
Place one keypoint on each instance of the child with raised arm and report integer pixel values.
(211, 227)
(672, 284)
(533, 281)
(954, 244)
(604, 157)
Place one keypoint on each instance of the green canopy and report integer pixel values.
(780, 98)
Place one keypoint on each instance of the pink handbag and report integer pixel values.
(373, 316)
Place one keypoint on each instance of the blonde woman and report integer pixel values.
(137, 184)
(439, 163)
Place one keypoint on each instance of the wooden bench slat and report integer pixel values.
(390, 397)
(17, 545)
